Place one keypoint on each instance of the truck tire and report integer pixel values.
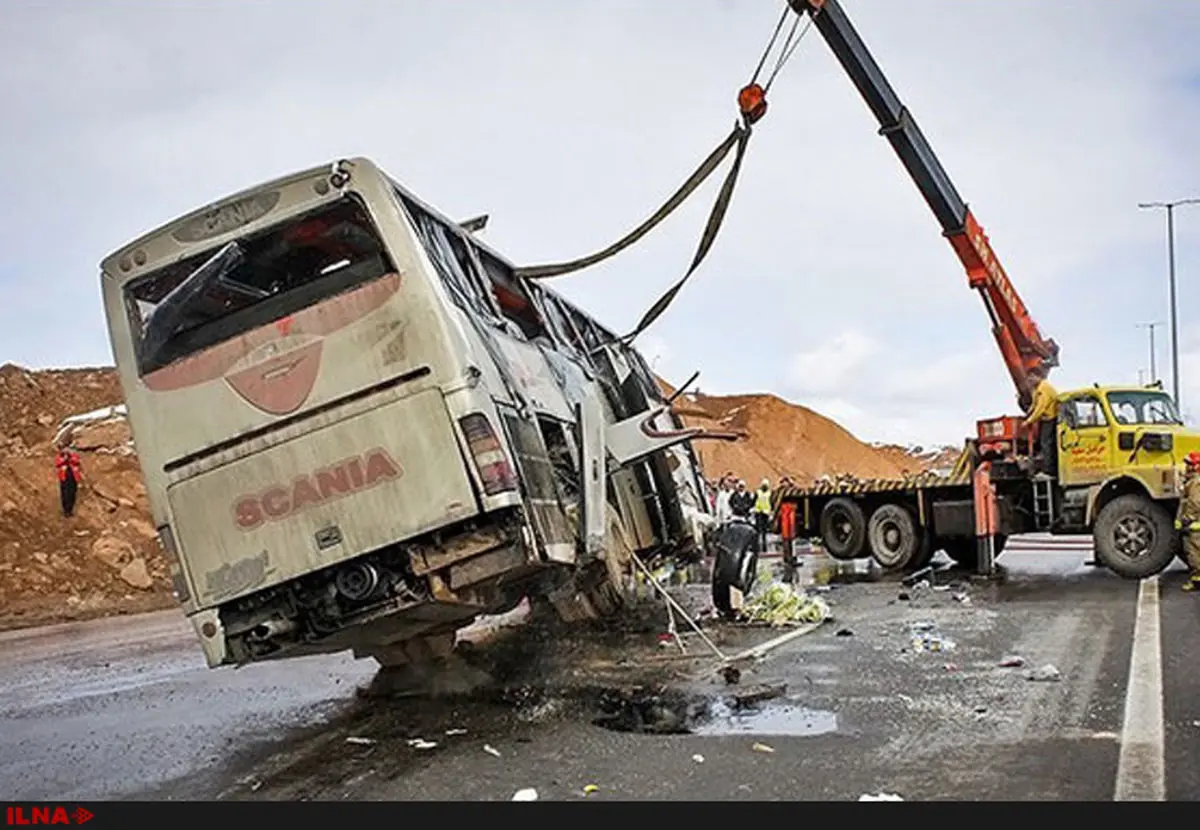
(965, 552)
(894, 537)
(1134, 537)
(924, 554)
(843, 529)
(735, 564)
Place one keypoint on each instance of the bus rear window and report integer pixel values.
(214, 296)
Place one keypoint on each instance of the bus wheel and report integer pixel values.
(894, 537)
(1134, 537)
(843, 529)
(736, 564)
(965, 552)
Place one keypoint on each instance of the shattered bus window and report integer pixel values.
(219, 294)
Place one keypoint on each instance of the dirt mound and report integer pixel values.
(103, 560)
(779, 438)
(915, 459)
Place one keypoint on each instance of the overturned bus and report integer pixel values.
(359, 429)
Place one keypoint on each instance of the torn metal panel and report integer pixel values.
(642, 435)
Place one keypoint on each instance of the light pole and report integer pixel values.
(1153, 364)
(1170, 208)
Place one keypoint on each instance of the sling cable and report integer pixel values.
(752, 106)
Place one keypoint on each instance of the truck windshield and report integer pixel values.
(1143, 408)
(221, 293)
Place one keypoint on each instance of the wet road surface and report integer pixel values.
(126, 708)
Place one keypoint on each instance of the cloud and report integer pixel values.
(830, 365)
(570, 122)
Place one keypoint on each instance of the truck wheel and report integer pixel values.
(735, 565)
(965, 552)
(894, 537)
(1134, 537)
(843, 529)
(924, 554)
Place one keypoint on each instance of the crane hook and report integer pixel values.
(752, 101)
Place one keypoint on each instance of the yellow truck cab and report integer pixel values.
(1120, 456)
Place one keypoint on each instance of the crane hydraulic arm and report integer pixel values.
(1021, 344)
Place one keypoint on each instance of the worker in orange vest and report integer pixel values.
(66, 464)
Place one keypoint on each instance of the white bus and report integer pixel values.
(359, 430)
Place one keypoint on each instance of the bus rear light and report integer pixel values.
(488, 454)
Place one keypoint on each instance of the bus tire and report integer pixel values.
(843, 529)
(1134, 537)
(894, 537)
(735, 564)
(965, 551)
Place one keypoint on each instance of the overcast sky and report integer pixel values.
(569, 122)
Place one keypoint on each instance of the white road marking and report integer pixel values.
(1141, 770)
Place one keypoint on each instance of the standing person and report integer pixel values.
(724, 512)
(66, 464)
(1187, 520)
(741, 500)
(1043, 413)
(762, 512)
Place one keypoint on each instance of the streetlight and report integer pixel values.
(1153, 365)
(1170, 208)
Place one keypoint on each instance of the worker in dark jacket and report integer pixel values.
(66, 465)
(742, 501)
(1187, 520)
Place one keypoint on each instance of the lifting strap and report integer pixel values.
(752, 105)
(706, 168)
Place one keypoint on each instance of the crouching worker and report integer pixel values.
(1187, 520)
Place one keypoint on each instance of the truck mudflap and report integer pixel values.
(355, 486)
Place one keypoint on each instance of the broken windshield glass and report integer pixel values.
(217, 295)
(165, 318)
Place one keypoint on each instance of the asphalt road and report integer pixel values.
(125, 708)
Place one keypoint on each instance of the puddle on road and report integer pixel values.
(768, 719)
(675, 713)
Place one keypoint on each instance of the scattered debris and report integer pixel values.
(699, 759)
(918, 576)
(941, 587)
(1012, 662)
(780, 604)
(962, 598)
(491, 750)
(590, 788)
(527, 794)
(1048, 673)
(456, 732)
(757, 694)
(762, 748)
(905, 699)
(844, 632)
(925, 637)
(880, 797)
(354, 739)
(421, 743)
(951, 667)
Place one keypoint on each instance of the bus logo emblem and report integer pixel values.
(352, 475)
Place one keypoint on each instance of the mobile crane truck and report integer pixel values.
(1119, 449)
